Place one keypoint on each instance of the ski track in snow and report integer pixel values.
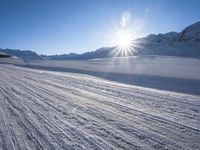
(52, 110)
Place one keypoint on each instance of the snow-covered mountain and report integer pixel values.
(23, 54)
(185, 43)
(190, 34)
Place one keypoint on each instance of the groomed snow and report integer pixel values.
(52, 110)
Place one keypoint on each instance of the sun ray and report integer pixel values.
(125, 44)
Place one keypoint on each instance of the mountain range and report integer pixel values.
(185, 43)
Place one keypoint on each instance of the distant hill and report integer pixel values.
(23, 54)
(185, 43)
(100, 53)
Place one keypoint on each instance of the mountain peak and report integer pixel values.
(195, 26)
(191, 33)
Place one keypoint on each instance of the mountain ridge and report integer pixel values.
(185, 43)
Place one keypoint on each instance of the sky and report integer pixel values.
(77, 26)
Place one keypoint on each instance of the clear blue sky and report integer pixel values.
(63, 26)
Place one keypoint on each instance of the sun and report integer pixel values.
(124, 40)
(125, 45)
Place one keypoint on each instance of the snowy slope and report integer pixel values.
(191, 33)
(185, 43)
(52, 110)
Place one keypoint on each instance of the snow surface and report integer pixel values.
(54, 110)
(178, 74)
(165, 66)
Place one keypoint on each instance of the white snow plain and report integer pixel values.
(54, 110)
(166, 66)
(178, 74)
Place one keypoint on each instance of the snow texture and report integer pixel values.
(52, 110)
